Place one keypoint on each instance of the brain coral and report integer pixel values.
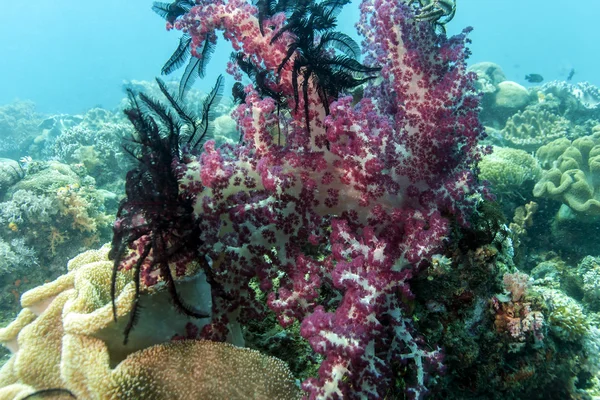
(573, 175)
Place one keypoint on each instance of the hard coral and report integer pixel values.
(531, 129)
(566, 318)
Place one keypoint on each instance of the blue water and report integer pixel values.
(68, 55)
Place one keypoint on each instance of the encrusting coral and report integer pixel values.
(66, 338)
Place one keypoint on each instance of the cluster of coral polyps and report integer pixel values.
(368, 186)
(66, 342)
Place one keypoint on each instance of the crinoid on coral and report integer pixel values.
(196, 66)
(154, 220)
(314, 57)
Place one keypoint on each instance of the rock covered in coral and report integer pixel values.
(566, 318)
(511, 96)
(500, 97)
(49, 129)
(194, 98)
(489, 75)
(46, 176)
(96, 144)
(588, 281)
(91, 141)
(16, 258)
(522, 221)
(27, 207)
(577, 102)
(226, 130)
(57, 213)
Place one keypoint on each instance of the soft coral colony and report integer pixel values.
(331, 202)
(369, 182)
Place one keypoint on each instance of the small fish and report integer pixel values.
(571, 73)
(534, 78)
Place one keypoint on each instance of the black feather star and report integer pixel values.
(331, 74)
(155, 226)
(179, 57)
(171, 11)
(196, 66)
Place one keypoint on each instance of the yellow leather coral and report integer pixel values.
(573, 176)
(66, 338)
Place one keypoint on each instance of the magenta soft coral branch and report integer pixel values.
(353, 198)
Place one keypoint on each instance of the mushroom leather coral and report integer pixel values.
(66, 338)
(573, 178)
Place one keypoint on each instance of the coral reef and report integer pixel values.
(18, 127)
(347, 217)
(577, 102)
(96, 144)
(10, 173)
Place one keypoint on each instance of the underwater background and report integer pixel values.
(503, 306)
